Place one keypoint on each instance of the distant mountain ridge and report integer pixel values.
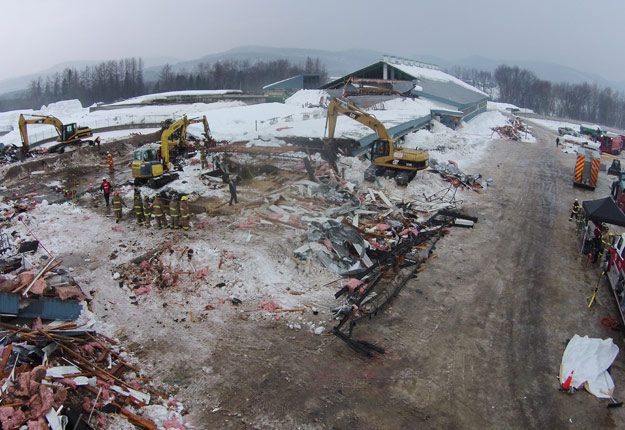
(337, 63)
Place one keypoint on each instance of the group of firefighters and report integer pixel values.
(597, 236)
(177, 209)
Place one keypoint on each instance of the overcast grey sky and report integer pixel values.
(586, 35)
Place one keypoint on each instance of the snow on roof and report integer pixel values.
(427, 72)
(148, 97)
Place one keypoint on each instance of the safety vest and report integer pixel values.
(173, 208)
(184, 210)
(147, 210)
(156, 207)
(138, 206)
(117, 203)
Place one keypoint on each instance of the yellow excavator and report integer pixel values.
(152, 164)
(387, 157)
(68, 133)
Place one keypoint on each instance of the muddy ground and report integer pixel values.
(474, 342)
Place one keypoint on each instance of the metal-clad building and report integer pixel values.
(299, 82)
(279, 91)
(458, 97)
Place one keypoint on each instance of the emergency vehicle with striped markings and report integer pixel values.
(587, 167)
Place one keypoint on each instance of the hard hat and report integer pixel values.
(109, 154)
(611, 234)
(183, 198)
(104, 179)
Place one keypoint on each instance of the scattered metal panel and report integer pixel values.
(9, 304)
(52, 308)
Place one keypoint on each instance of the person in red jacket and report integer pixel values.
(105, 186)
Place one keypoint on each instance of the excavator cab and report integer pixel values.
(380, 148)
(147, 164)
(69, 130)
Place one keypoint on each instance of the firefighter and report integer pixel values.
(157, 210)
(203, 157)
(575, 210)
(105, 187)
(109, 161)
(147, 211)
(232, 187)
(184, 212)
(138, 205)
(606, 241)
(118, 202)
(174, 212)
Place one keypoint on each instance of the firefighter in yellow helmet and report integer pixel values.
(174, 212)
(138, 206)
(147, 211)
(118, 202)
(109, 161)
(184, 212)
(157, 210)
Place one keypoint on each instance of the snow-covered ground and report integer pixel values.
(230, 261)
(58, 225)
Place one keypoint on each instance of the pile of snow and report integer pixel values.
(305, 98)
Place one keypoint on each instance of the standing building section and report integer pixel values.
(457, 99)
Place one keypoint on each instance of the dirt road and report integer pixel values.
(474, 342)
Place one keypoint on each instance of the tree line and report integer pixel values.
(521, 87)
(239, 75)
(113, 80)
(105, 82)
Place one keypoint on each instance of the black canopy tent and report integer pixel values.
(604, 210)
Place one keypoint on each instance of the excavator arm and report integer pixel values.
(204, 121)
(166, 143)
(339, 107)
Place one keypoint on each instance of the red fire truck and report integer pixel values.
(615, 270)
(611, 143)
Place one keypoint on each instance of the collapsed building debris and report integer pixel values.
(457, 177)
(396, 261)
(61, 376)
(513, 131)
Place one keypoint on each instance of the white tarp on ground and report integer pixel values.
(588, 359)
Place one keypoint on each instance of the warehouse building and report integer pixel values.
(455, 99)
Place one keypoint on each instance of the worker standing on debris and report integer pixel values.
(184, 212)
(118, 202)
(157, 210)
(203, 157)
(109, 161)
(174, 211)
(575, 210)
(232, 187)
(147, 211)
(138, 205)
(105, 187)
